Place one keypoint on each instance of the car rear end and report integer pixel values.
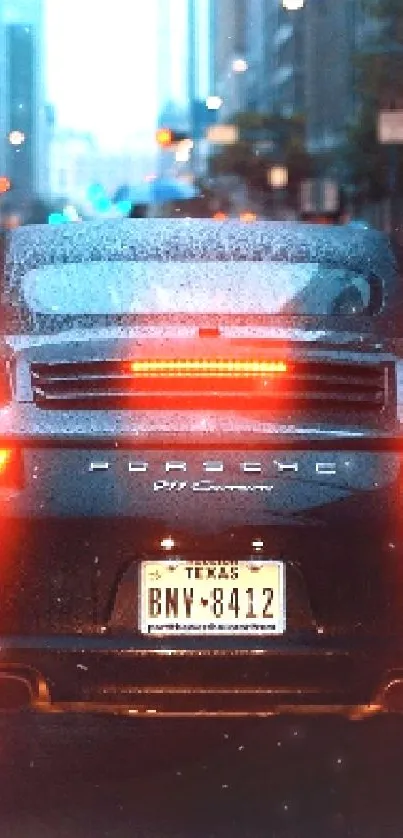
(200, 510)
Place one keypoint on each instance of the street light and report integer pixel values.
(277, 177)
(239, 65)
(293, 5)
(16, 137)
(214, 103)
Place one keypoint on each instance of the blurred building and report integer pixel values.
(200, 79)
(172, 52)
(173, 115)
(275, 54)
(78, 165)
(229, 65)
(24, 118)
(287, 61)
(302, 61)
(171, 78)
(70, 153)
(305, 64)
(183, 77)
(258, 54)
(334, 33)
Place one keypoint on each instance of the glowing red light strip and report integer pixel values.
(207, 366)
(5, 457)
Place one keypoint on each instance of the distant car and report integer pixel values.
(359, 224)
(200, 470)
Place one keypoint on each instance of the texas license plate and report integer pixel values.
(203, 597)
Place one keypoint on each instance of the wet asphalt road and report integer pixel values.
(76, 778)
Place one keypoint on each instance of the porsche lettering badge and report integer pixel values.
(271, 468)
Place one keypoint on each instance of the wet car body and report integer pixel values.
(106, 471)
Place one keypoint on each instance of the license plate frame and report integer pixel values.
(187, 621)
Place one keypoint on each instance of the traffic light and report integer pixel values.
(5, 185)
(164, 137)
(167, 137)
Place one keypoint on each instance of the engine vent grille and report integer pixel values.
(305, 385)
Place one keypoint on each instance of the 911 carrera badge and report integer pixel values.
(208, 486)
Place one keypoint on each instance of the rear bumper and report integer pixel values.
(104, 675)
(70, 592)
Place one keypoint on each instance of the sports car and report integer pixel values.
(200, 470)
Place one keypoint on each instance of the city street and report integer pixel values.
(201, 417)
(284, 778)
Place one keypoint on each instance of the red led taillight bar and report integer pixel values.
(11, 472)
(207, 367)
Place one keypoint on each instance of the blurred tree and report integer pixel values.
(382, 10)
(366, 160)
(265, 140)
(379, 85)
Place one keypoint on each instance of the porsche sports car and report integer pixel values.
(200, 470)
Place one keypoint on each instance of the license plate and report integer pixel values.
(201, 597)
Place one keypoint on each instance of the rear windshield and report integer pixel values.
(115, 289)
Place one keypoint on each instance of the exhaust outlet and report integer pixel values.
(15, 692)
(392, 696)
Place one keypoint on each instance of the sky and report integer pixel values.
(101, 68)
(111, 64)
